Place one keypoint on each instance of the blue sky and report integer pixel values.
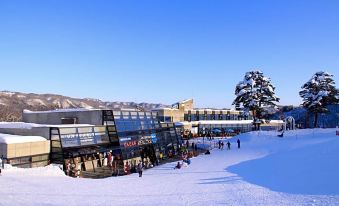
(165, 51)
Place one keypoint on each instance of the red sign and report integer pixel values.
(130, 144)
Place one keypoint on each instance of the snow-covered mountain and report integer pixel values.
(12, 104)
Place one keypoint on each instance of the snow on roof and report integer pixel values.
(13, 139)
(24, 125)
(19, 125)
(61, 110)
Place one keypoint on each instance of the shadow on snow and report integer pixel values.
(311, 170)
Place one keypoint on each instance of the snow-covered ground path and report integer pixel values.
(300, 169)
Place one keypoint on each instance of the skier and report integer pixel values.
(228, 145)
(1, 161)
(139, 168)
(219, 143)
(238, 141)
(178, 166)
(222, 145)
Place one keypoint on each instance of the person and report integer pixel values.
(105, 160)
(192, 145)
(1, 160)
(187, 144)
(68, 169)
(207, 152)
(110, 159)
(228, 145)
(219, 143)
(281, 135)
(238, 141)
(161, 156)
(195, 147)
(139, 168)
(178, 166)
(222, 145)
(127, 169)
(188, 161)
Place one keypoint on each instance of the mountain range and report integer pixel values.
(13, 103)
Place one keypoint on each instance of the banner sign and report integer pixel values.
(82, 139)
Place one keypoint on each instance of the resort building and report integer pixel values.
(85, 137)
(206, 121)
(90, 139)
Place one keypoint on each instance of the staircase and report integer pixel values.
(100, 172)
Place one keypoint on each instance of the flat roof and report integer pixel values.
(15, 139)
(61, 110)
(24, 125)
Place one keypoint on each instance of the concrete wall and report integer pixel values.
(24, 149)
(93, 117)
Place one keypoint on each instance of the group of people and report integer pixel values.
(193, 145)
(221, 144)
(133, 168)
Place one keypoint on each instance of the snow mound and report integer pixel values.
(48, 171)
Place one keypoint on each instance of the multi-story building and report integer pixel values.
(203, 121)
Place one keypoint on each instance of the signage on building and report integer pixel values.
(145, 140)
(81, 139)
(130, 144)
(69, 140)
(123, 139)
(154, 138)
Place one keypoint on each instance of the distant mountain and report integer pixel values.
(13, 103)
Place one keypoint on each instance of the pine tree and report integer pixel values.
(318, 93)
(255, 93)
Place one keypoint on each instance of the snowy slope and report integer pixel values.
(300, 169)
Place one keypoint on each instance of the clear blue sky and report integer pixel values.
(162, 51)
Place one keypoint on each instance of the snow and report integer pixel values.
(19, 125)
(13, 139)
(299, 169)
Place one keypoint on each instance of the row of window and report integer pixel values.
(194, 117)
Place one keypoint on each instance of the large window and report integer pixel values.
(82, 136)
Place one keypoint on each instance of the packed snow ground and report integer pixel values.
(302, 168)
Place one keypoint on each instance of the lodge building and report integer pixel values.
(85, 137)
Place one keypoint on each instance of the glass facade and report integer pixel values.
(141, 135)
(128, 136)
(199, 115)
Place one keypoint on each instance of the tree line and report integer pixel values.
(256, 93)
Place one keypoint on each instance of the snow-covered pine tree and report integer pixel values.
(318, 93)
(255, 93)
